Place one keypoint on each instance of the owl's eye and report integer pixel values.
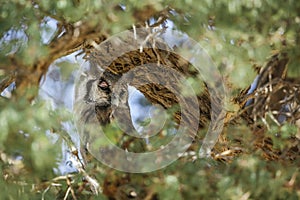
(103, 85)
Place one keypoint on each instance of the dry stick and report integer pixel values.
(94, 185)
(71, 189)
(59, 178)
(164, 15)
(45, 191)
(292, 181)
(51, 183)
(67, 193)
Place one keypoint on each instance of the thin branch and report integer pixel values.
(67, 193)
(7, 81)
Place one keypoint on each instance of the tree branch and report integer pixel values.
(7, 81)
(74, 39)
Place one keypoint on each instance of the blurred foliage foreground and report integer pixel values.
(257, 155)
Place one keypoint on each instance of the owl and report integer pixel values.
(100, 99)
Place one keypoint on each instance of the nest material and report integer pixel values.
(275, 102)
(275, 98)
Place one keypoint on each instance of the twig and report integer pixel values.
(164, 15)
(59, 178)
(7, 81)
(67, 193)
(70, 188)
(45, 191)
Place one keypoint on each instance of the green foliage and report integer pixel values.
(281, 135)
(23, 135)
(237, 35)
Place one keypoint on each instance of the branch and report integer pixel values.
(7, 81)
(73, 40)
